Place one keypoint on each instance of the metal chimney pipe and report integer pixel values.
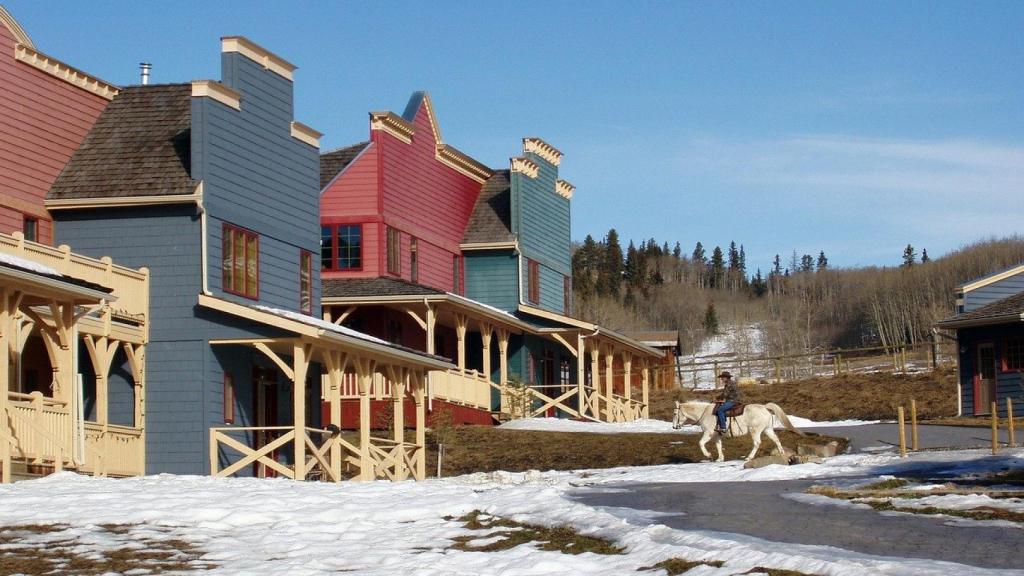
(144, 68)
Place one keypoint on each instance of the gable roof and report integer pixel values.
(334, 162)
(491, 219)
(1005, 311)
(991, 278)
(139, 146)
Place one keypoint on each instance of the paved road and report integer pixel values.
(876, 436)
(729, 507)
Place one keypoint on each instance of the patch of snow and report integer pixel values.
(822, 500)
(482, 305)
(321, 323)
(961, 502)
(806, 423)
(642, 425)
(12, 260)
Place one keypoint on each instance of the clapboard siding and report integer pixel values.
(354, 192)
(543, 217)
(1009, 384)
(491, 278)
(995, 291)
(42, 121)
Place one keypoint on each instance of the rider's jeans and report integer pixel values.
(721, 412)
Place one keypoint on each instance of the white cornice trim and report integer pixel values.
(525, 166)
(217, 91)
(564, 189)
(542, 149)
(981, 283)
(510, 245)
(19, 33)
(393, 124)
(306, 134)
(460, 162)
(57, 69)
(258, 54)
(123, 201)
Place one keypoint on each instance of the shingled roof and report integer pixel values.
(333, 162)
(360, 287)
(491, 220)
(1009, 309)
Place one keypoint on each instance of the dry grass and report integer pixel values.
(676, 566)
(486, 449)
(978, 513)
(977, 421)
(847, 396)
(562, 539)
(58, 554)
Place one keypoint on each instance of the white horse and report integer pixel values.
(756, 418)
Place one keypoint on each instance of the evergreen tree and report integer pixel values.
(909, 256)
(711, 319)
(700, 262)
(611, 272)
(822, 261)
(743, 262)
(806, 263)
(664, 248)
(677, 252)
(758, 285)
(777, 266)
(716, 276)
(631, 272)
(583, 269)
(924, 255)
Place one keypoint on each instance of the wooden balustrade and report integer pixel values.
(41, 429)
(468, 388)
(116, 451)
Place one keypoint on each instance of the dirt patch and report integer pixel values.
(54, 549)
(676, 566)
(504, 534)
(486, 449)
(873, 396)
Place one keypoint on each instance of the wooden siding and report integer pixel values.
(1008, 384)
(42, 121)
(491, 278)
(256, 176)
(995, 291)
(355, 192)
(541, 218)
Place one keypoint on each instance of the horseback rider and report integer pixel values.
(727, 398)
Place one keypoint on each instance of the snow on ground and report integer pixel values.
(278, 526)
(805, 423)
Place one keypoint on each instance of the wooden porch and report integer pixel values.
(63, 300)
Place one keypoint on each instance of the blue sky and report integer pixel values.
(854, 128)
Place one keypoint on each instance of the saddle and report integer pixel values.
(736, 410)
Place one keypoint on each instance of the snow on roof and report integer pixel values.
(18, 262)
(482, 305)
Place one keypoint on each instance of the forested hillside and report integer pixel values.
(800, 303)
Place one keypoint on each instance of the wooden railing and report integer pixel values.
(117, 452)
(130, 286)
(383, 458)
(468, 388)
(41, 429)
(537, 400)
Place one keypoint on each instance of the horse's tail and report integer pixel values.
(777, 411)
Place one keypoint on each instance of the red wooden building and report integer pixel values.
(46, 109)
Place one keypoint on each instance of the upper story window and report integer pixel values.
(341, 247)
(1013, 355)
(306, 282)
(414, 260)
(394, 244)
(30, 227)
(240, 262)
(533, 281)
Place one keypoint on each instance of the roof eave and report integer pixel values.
(978, 322)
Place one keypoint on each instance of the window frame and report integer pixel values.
(414, 261)
(306, 282)
(27, 219)
(337, 257)
(1004, 364)
(227, 280)
(533, 281)
(393, 244)
(229, 398)
(457, 275)
(332, 259)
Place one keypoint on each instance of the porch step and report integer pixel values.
(25, 471)
(501, 417)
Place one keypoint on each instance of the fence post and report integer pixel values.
(913, 426)
(903, 432)
(1009, 422)
(995, 428)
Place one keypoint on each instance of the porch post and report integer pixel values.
(336, 361)
(365, 371)
(627, 375)
(6, 339)
(609, 385)
(431, 324)
(646, 378)
(398, 399)
(595, 378)
(421, 419)
(461, 324)
(581, 374)
(300, 364)
(486, 331)
(503, 368)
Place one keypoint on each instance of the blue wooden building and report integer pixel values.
(990, 340)
(215, 188)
